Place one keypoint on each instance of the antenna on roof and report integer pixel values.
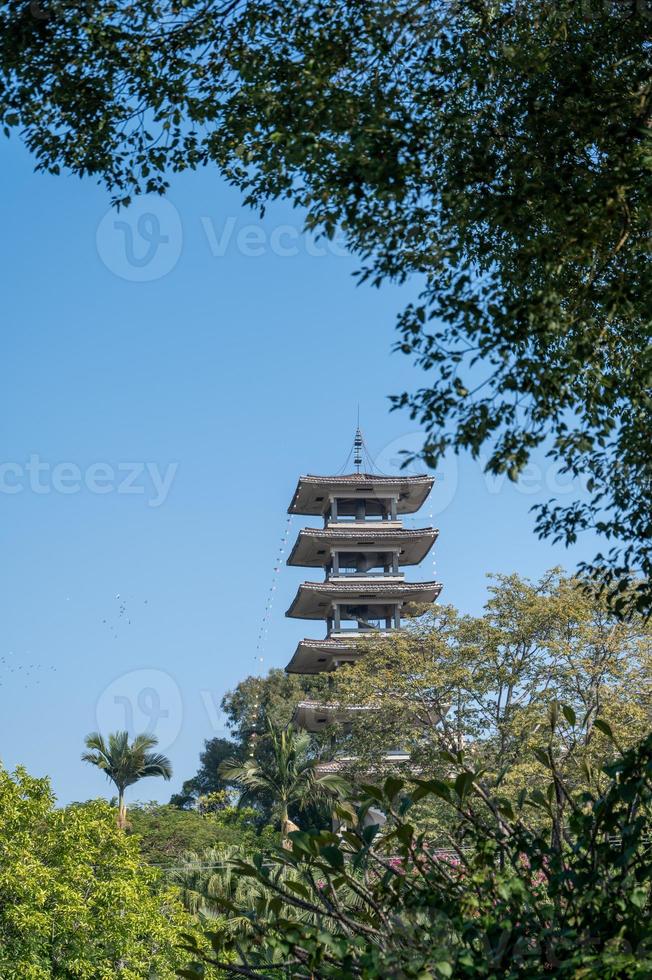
(357, 449)
(360, 453)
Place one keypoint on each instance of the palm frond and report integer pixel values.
(155, 764)
(289, 777)
(95, 759)
(96, 741)
(334, 785)
(126, 763)
(144, 742)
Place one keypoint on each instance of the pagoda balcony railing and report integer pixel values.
(352, 573)
(364, 630)
(342, 761)
(369, 519)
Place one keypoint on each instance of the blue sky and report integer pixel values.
(166, 375)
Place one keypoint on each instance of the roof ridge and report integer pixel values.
(357, 531)
(357, 585)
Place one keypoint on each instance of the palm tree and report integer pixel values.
(210, 884)
(289, 776)
(125, 764)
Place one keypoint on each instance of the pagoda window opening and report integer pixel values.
(361, 509)
(376, 617)
(364, 563)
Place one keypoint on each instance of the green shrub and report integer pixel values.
(76, 901)
(511, 896)
(166, 833)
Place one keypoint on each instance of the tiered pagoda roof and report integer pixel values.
(313, 492)
(320, 656)
(362, 549)
(314, 599)
(342, 763)
(313, 544)
(315, 716)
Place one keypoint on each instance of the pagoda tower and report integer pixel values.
(361, 549)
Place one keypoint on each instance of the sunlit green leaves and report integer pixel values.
(77, 900)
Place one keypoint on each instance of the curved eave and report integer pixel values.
(312, 492)
(313, 545)
(315, 717)
(314, 599)
(345, 762)
(320, 656)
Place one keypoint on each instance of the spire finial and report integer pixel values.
(357, 446)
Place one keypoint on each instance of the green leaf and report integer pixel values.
(463, 783)
(299, 888)
(604, 727)
(369, 833)
(543, 757)
(375, 792)
(444, 968)
(334, 856)
(569, 714)
(638, 897)
(405, 833)
(393, 786)
(432, 787)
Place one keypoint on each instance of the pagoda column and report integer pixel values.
(336, 617)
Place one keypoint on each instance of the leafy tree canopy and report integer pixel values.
(247, 708)
(75, 899)
(250, 707)
(504, 898)
(165, 833)
(207, 779)
(498, 150)
(485, 684)
(255, 700)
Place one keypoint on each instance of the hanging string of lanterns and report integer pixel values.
(262, 637)
(431, 518)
